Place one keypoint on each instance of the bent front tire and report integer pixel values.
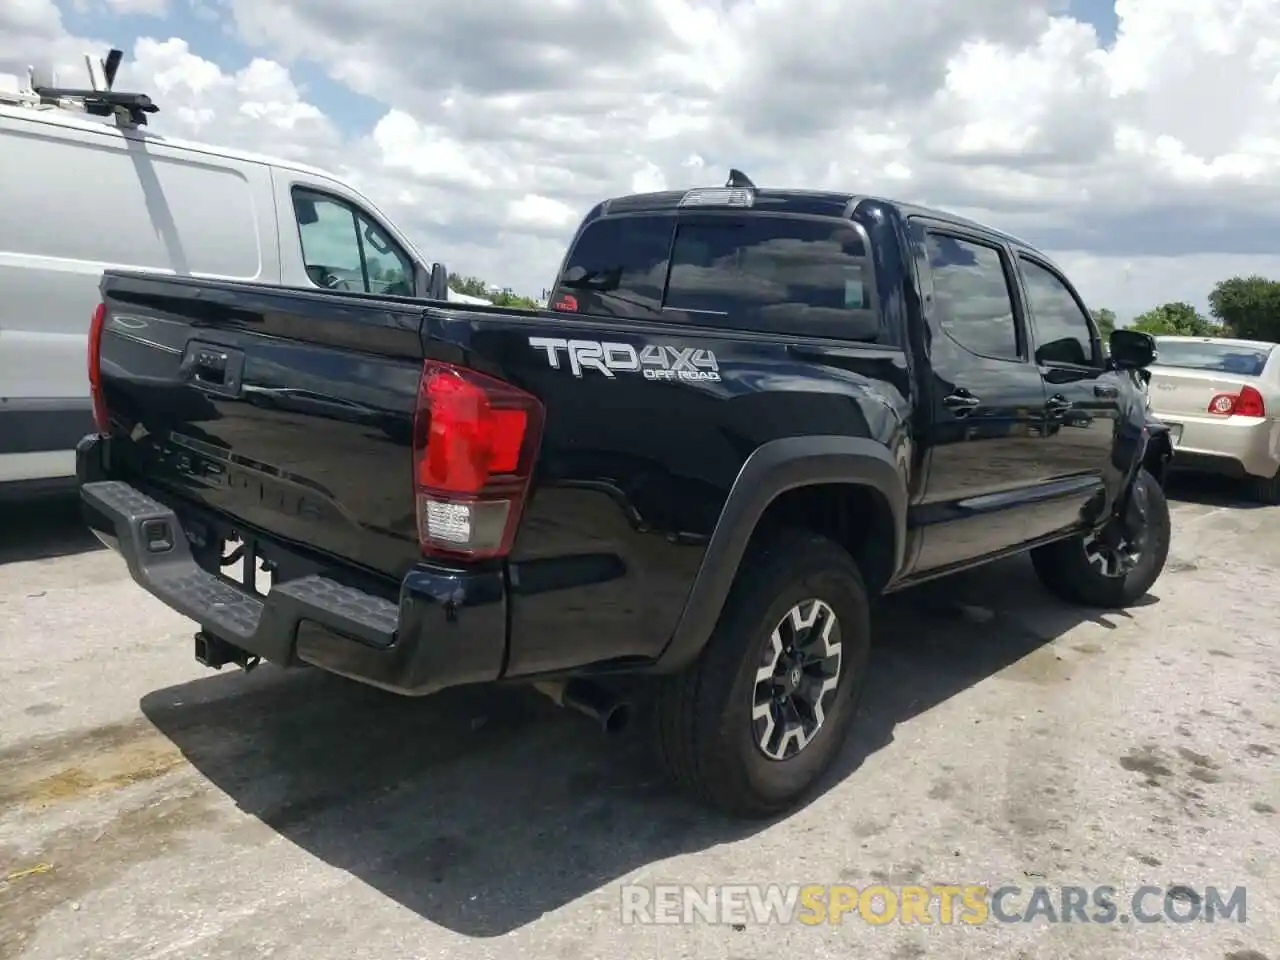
(752, 725)
(1112, 572)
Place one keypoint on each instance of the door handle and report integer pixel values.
(962, 401)
(1106, 391)
(1058, 404)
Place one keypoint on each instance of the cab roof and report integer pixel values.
(827, 203)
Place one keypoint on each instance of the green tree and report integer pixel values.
(1178, 318)
(1106, 321)
(1248, 307)
(471, 286)
(505, 298)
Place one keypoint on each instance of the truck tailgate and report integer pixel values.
(286, 412)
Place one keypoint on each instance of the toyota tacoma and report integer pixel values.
(745, 414)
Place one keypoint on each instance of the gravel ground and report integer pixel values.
(150, 808)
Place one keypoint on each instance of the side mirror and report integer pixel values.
(438, 284)
(1131, 350)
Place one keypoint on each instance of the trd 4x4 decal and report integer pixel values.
(655, 361)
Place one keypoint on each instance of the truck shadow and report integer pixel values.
(1210, 490)
(483, 809)
(43, 529)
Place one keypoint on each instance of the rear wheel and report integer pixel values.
(751, 726)
(1117, 565)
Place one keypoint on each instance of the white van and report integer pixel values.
(79, 195)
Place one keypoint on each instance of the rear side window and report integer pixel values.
(971, 296)
(765, 274)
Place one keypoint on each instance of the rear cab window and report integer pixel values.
(763, 273)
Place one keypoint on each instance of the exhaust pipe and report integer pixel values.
(589, 699)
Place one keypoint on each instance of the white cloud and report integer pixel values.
(151, 8)
(1150, 168)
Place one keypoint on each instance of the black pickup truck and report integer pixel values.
(745, 414)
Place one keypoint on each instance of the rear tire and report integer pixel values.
(1264, 490)
(1065, 569)
(717, 719)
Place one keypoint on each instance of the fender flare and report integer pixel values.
(771, 470)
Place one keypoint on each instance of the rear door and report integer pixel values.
(1082, 398)
(988, 400)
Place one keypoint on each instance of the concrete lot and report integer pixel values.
(150, 808)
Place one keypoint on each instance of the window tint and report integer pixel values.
(1062, 329)
(775, 274)
(971, 296)
(617, 267)
(344, 250)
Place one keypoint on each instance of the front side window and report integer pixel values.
(971, 295)
(1062, 328)
(343, 249)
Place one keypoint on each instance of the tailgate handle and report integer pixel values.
(210, 366)
(213, 368)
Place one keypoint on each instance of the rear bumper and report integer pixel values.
(448, 627)
(1234, 446)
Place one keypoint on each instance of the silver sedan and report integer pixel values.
(1221, 400)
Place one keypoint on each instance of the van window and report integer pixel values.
(343, 249)
(971, 298)
(774, 274)
(103, 199)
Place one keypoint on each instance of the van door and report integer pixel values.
(330, 238)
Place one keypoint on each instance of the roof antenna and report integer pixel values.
(98, 99)
(739, 179)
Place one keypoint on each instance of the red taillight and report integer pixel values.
(475, 440)
(1247, 403)
(95, 368)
